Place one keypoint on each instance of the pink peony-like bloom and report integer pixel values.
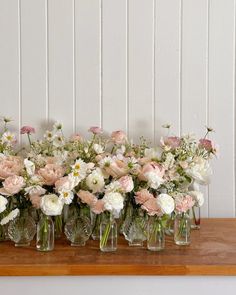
(35, 200)
(98, 207)
(87, 197)
(172, 141)
(50, 160)
(117, 168)
(209, 145)
(184, 203)
(151, 167)
(27, 130)
(11, 165)
(95, 130)
(126, 183)
(118, 137)
(76, 137)
(143, 196)
(12, 185)
(152, 207)
(51, 173)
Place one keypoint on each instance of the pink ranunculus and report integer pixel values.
(152, 207)
(35, 200)
(209, 145)
(27, 130)
(126, 183)
(117, 168)
(11, 165)
(76, 137)
(142, 196)
(184, 203)
(12, 185)
(51, 173)
(98, 207)
(151, 167)
(95, 130)
(172, 141)
(118, 137)
(87, 197)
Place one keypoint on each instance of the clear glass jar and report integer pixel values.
(58, 226)
(155, 234)
(169, 229)
(182, 229)
(195, 215)
(108, 234)
(45, 234)
(22, 229)
(96, 220)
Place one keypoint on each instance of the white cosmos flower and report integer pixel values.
(3, 204)
(30, 167)
(66, 196)
(154, 181)
(200, 171)
(95, 181)
(48, 135)
(166, 203)
(57, 126)
(8, 138)
(79, 169)
(105, 162)
(51, 205)
(12, 215)
(197, 197)
(58, 140)
(114, 203)
(98, 148)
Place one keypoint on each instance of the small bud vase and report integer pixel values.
(195, 215)
(45, 234)
(155, 234)
(108, 234)
(182, 229)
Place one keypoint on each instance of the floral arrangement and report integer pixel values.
(67, 178)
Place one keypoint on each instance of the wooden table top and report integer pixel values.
(212, 252)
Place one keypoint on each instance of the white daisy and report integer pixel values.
(8, 138)
(66, 196)
(12, 215)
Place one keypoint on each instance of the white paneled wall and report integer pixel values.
(125, 64)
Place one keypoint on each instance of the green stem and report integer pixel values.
(28, 135)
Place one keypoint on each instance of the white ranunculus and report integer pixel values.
(166, 203)
(51, 205)
(95, 181)
(12, 215)
(98, 148)
(114, 203)
(200, 171)
(198, 197)
(3, 204)
(30, 167)
(154, 180)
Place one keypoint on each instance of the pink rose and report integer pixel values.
(152, 207)
(12, 185)
(151, 167)
(98, 207)
(95, 130)
(183, 203)
(9, 166)
(126, 183)
(143, 196)
(117, 168)
(35, 200)
(87, 198)
(51, 173)
(27, 130)
(171, 141)
(118, 137)
(76, 137)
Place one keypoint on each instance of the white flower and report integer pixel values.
(152, 153)
(79, 169)
(3, 204)
(200, 170)
(58, 140)
(30, 167)
(154, 180)
(114, 186)
(98, 148)
(197, 197)
(8, 138)
(166, 203)
(66, 196)
(73, 180)
(51, 205)
(121, 150)
(114, 203)
(57, 126)
(95, 181)
(12, 215)
(105, 162)
(35, 190)
(61, 156)
(169, 162)
(48, 135)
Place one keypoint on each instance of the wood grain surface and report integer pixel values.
(212, 252)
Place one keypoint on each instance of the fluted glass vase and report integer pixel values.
(45, 234)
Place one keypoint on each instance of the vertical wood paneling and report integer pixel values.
(9, 61)
(61, 59)
(33, 45)
(167, 66)
(194, 71)
(114, 64)
(221, 104)
(87, 63)
(141, 96)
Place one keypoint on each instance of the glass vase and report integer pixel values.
(108, 234)
(45, 234)
(169, 229)
(96, 220)
(182, 229)
(4, 233)
(22, 229)
(155, 234)
(195, 215)
(78, 230)
(58, 225)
